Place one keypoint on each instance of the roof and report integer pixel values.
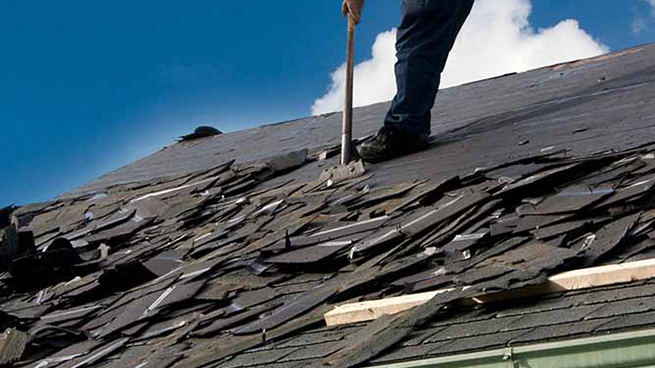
(228, 250)
(584, 106)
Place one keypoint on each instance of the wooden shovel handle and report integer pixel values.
(347, 127)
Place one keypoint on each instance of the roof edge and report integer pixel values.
(630, 349)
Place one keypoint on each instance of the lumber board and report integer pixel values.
(603, 275)
(374, 309)
(567, 281)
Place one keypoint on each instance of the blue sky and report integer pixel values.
(87, 87)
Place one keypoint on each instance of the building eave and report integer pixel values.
(630, 349)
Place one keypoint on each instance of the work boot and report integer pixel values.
(389, 143)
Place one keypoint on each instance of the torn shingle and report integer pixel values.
(243, 317)
(574, 198)
(12, 345)
(607, 238)
(312, 254)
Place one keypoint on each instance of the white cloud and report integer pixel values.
(652, 3)
(638, 25)
(642, 22)
(496, 39)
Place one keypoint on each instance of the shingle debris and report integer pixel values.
(218, 258)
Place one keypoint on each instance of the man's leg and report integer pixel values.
(425, 37)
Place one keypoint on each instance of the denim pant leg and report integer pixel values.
(426, 35)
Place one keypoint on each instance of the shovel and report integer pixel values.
(347, 126)
(348, 169)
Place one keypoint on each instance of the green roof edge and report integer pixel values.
(630, 349)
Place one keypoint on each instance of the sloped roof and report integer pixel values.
(227, 251)
(584, 106)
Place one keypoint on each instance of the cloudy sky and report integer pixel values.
(86, 87)
(498, 38)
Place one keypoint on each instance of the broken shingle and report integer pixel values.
(638, 189)
(125, 275)
(65, 315)
(607, 238)
(134, 312)
(12, 345)
(574, 198)
(336, 175)
(97, 354)
(237, 319)
(250, 299)
(287, 161)
(311, 254)
(291, 310)
(538, 178)
(565, 228)
(536, 256)
(452, 208)
(162, 263)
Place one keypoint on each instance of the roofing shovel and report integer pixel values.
(348, 168)
(347, 126)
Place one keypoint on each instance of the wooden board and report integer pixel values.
(567, 281)
(371, 310)
(604, 275)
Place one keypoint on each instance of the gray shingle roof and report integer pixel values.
(227, 251)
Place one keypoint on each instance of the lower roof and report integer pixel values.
(561, 317)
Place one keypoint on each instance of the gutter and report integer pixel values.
(624, 350)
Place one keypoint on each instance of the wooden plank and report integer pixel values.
(567, 281)
(374, 309)
(604, 275)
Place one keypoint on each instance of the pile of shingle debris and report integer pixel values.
(194, 270)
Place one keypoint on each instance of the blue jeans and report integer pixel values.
(426, 35)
